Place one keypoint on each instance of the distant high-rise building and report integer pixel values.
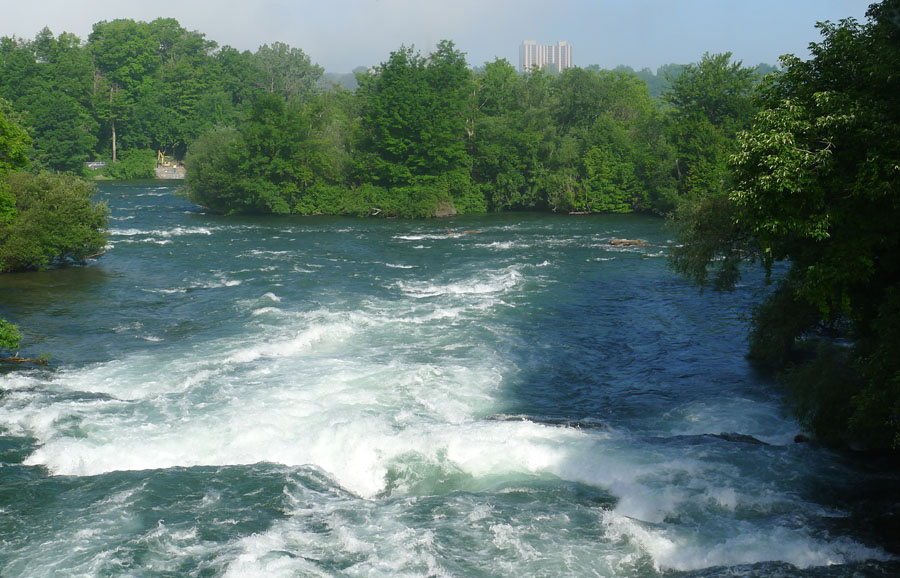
(534, 56)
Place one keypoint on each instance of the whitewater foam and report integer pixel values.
(405, 415)
(173, 232)
(495, 282)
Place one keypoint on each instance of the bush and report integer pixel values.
(214, 169)
(56, 222)
(9, 335)
(133, 165)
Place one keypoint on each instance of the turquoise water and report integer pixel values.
(336, 397)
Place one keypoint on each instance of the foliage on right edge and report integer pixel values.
(817, 185)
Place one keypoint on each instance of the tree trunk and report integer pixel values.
(112, 120)
(112, 124)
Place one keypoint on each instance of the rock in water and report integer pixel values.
(628, 243)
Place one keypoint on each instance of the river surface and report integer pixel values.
(281, 397)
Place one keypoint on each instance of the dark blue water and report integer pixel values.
(338, 397)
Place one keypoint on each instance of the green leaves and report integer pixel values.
(778, 164)
(63, 127)
(56, 222)
(9, 336)
(414, 116)
(285, 71)
(716, 89)
(815, 184)
(711, 105)
(44, 219)
(273, 161)
(610, 184)
(14, 142)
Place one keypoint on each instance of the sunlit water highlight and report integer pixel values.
(335, 397)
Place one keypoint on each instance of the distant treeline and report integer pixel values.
(658, 83)
(268, 132)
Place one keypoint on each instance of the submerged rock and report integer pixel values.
(741, 438)
(628, 243)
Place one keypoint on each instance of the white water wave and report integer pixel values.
(504, 245)
(377, 428)
(424, 237)
(265, 254)
(152, 240)
(219, 283)
(493, 283)
(173, 232)
(671, 550)
(381, 395)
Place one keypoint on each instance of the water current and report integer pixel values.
(281, 397)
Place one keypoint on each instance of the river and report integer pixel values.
(274, 397)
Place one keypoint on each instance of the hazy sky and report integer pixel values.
(343, 34)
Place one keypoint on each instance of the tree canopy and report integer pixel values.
(137, 86)
(45, 219)
(422, 134)
(816, 177)
(425, 135)
(56, 222)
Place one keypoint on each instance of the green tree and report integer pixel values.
(56, 222)
(214, 162)
(125, 56)
(9, 336)
(415, 121)
(715, 88)
(502, 145)
(415, 113)
(286, 71)
(816, 186)
(18, 68)
(239, 77)
(14, 141)
(710, 104)
(276, 160)
(393, 118)
(133, 164)
(610, 185)
(51, 87)
(449, 83)
(170, 111)
(514, 140)
(14, 145)
(276, 170)
(63, 129)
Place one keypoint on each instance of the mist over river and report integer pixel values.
(278, 397)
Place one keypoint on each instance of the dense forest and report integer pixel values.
(798, 167)
(267, 132)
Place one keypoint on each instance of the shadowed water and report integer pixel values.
(336, 397)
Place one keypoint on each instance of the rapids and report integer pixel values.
(234, 396)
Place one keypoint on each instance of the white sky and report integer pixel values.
(343, 34)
